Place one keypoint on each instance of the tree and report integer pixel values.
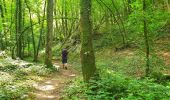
(87, 53)
(48, 50)
(3, 20)
(146, 40)
(32, 30)
(1, 33)
(41, 31)
(18, 25)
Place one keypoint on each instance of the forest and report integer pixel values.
(84, 49)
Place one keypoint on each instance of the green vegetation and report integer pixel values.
(122, 77)
(113, 86)
(17, 78)
(120, 49)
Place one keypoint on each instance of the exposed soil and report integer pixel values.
(51, 87)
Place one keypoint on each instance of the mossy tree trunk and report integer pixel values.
(87, 53)
(48, 50)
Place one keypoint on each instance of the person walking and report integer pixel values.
(64, 57)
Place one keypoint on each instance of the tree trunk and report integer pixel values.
(129, 7)
(146, 41)
(32, 30)
(3, 46)
(87, 53)
(4, 23)
(167, 4)
(125, 42)
(41, 31)
(19, 27)
(65, 15)
(23, 37)
(56, 22)
(49, 40)
(11, 36)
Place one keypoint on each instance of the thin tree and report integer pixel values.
(18, 26)
(146, 40)
(41, 31)
(4, 20)
(87, 53)
(32, 30)
(48, 50)
(2, 45)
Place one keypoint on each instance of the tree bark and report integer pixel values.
(41, 31)
(146, 40)
(18, 25)
(87, 53)
(32, 30)
(48, 50)
(3, 33)
(4, 23)
(56, 22)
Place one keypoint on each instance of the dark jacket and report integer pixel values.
(64, 54)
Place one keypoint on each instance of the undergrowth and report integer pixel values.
(114, 86)
(17, 77)
(120, 78)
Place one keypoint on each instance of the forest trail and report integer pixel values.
(51, 87)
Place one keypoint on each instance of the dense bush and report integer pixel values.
(113, 86)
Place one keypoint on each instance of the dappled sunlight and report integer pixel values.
(44, 96)
(48, 82)
(36, 78)
(5, 77)
(45, 87)
(84, 50)
(72, 75)
(51, 86)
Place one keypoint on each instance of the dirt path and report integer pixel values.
(51, 87)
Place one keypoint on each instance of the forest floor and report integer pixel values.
(52, 86)
(26, 80)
